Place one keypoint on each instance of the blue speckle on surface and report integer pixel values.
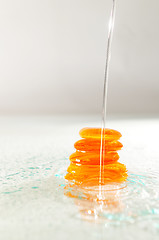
(12, 191)
(35, 187)
(33, 168)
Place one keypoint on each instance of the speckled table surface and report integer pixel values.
(34, 155)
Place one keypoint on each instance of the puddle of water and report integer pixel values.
(133, 200)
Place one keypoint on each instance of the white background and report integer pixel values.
(52, 57)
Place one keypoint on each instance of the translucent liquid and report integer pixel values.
(103, 142)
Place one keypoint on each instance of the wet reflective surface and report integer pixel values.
(34, 158)
(135, 199)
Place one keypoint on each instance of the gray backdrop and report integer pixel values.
(52, 56)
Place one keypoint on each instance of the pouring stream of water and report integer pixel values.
(108, 54)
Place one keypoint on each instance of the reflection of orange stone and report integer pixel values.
(85, 162)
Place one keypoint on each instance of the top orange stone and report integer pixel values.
(95, 133)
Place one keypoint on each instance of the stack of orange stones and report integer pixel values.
(85, 162)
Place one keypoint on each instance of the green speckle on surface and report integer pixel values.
(33, 168)
(62, 185)
(11, 192)
(35, 187)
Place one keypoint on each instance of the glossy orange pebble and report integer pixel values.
(85, 162)
(94, 145)
(81, 173)
(95, 133)
(93, 158)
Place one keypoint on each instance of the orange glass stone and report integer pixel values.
(95, 133)
(93, 158)
(94, 145)
(80, 173)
